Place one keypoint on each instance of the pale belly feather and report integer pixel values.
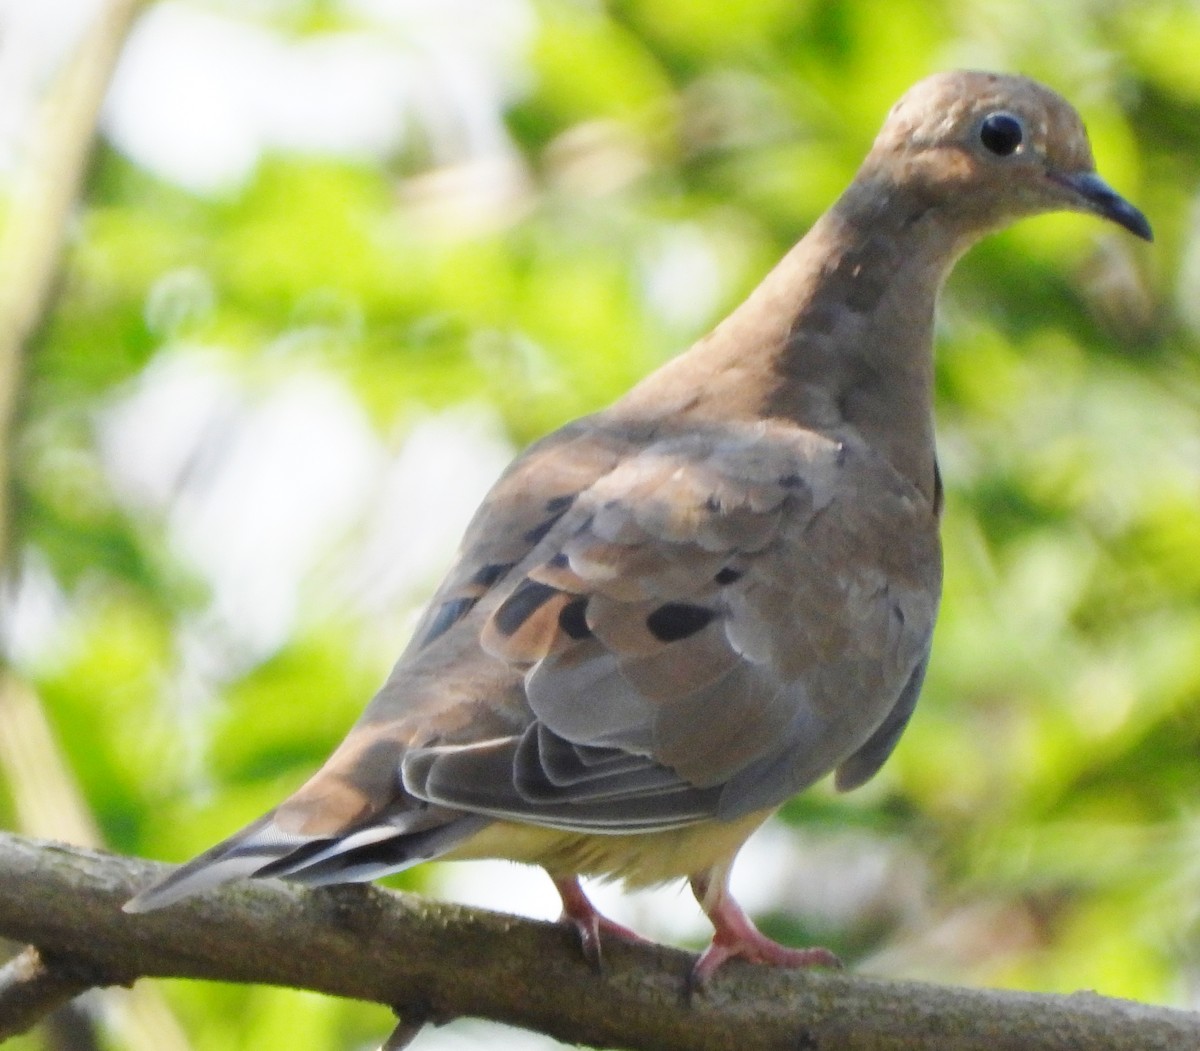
(644, 860)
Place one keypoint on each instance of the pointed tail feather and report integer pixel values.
(263, 850)
(371, 852)
(242, 854)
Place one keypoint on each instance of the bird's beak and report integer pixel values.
(1090, 193)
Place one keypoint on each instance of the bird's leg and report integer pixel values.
(735, 935)
(581, 914)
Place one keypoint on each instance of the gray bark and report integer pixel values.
(432, 962)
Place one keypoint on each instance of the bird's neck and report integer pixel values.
(837, 338)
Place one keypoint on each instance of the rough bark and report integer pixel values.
(432, 961)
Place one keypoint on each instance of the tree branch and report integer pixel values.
(31, 987)
(436, 961)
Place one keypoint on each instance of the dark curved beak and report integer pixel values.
(1093, 194)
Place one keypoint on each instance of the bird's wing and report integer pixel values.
(644, 630)
(717, 620)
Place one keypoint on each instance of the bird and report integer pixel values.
(671, 616)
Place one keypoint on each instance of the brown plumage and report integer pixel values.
(669, 617)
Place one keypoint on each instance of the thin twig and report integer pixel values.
(31, 987)
(39, 210)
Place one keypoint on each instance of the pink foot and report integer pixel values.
(591, 926)
(736, 937)
(757, 948)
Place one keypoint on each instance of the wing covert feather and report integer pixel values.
(685, 626)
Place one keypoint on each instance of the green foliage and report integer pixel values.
(1049, 778)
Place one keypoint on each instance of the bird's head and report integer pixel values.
(978, 150)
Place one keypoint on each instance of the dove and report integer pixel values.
(668, 618)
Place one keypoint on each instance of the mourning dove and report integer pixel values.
(668, 618)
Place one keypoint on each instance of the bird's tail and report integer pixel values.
(389, 843)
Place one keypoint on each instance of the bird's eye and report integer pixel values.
(1001, 134)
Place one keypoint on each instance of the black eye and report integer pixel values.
(1001, 134)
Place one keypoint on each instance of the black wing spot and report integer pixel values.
(678, 620)
(489, 574)
(728, 575)
(522, 604)
(573, 619)
(556, 508)
(538, 533)
(449, 614)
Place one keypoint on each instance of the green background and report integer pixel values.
(1038, 826)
